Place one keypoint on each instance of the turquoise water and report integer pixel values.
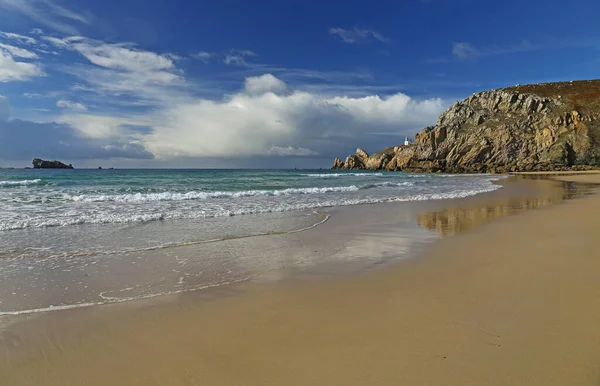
(47, 213)
(71, 238)
(62, 198)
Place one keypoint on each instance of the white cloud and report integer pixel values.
(102, 127)
(291, 151)
(258, 85)
(267, 117)
(65, 104)
(297, 123)
(60, 43)
(18, 52)
(205, 56)
(357, 35)
(122, 69)
(120, 57)
(47, 13)
(20, 38)
(238, 57)
(12, 70)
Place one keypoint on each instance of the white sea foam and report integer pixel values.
(333, 175)
(388, 184)
(256, 208)
(175, 196)
(4, 184)
(113, 300)
(61, 207)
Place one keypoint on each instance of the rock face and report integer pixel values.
(41, 164)
(552, 126)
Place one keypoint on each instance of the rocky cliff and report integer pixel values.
(550, 126)
(41, 164)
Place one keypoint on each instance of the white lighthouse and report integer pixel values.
(406, 142)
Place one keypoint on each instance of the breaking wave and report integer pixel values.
(333, 175)
(174, 196)
(8, 184)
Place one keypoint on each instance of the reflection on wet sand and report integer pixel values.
(463, 218)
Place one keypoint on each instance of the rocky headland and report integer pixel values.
(538, 127)
(41, 164)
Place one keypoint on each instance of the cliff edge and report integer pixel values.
(548, 126)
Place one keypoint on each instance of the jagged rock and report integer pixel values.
(41, 164)
(354, 162)
(362, 155)
(522, 128)
(337, 163)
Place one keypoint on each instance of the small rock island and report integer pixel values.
(538, 127)
(41, 164)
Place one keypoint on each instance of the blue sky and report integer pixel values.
(236, 83)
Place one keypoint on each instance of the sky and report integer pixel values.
(263, 84)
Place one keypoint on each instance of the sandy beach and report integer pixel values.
(508, 300)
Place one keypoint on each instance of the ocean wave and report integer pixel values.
(333, 175)
(194, 195)
(190, 213)
(101, 218)
(387, 184)
(4, 184)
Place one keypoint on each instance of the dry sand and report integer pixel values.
(514, 302)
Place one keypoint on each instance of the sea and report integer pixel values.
(147, 232)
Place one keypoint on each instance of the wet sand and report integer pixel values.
(512, 302)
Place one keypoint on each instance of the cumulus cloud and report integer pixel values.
(297, 122)
(64, 104)
(357, 35)
(258, 85)
(267, 118)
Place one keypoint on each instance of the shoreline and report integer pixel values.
(96, 268)
(383, 326)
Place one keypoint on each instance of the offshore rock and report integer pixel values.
(41, 164)
(550, 126)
